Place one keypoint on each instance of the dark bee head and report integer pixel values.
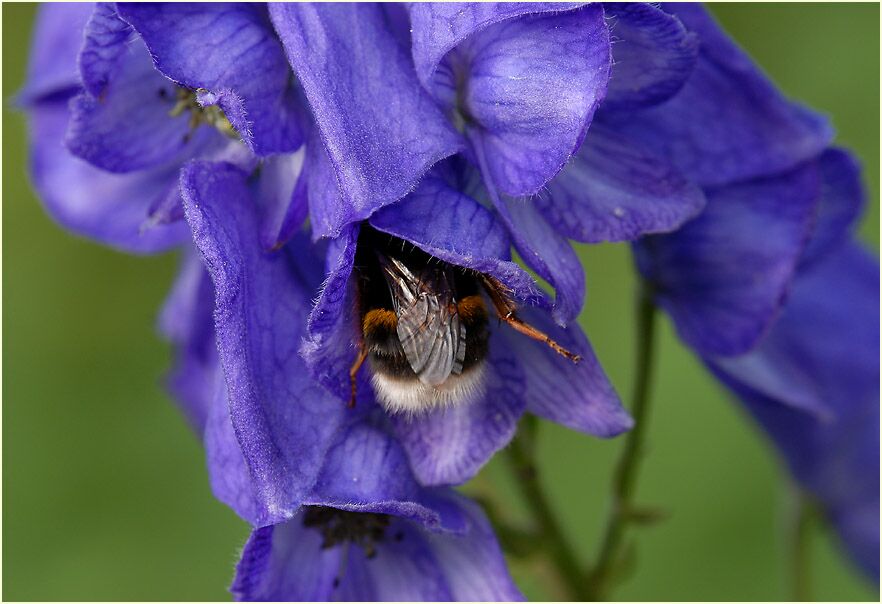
(424, 324)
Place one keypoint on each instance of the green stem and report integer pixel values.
(620, 513)
(520, 455)
(800, 554)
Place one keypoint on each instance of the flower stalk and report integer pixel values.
(622, 512)
(799, 545)
(521, 457)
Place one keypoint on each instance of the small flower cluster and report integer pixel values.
(347, 184)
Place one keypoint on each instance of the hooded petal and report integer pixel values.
(576, 395)
(542, 249)
(449, 445)
(438, 27)
(109, 208)
(283, 420)
(729, 122)
(221, 47)
(828, 339)
(723, 276)
(365, 471)
(653, 55)
(505, 104)
(56, 42)
(613, 191)
(381, 130)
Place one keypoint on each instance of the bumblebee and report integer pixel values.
(425, 325)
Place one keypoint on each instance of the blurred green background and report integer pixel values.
(105, 495)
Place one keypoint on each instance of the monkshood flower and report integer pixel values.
(131, 110)
(366, 529)
(513, 88)
(724, 276)
(369, 532)
(765, 287)
(339, 515)
(813, 386)
(126, 48)
(286, 421)
(108, 207)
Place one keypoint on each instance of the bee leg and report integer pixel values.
(353, 372)
(505, 310)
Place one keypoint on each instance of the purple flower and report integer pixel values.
(286, 421)
(379, 129)
(721, 282)
(478, 85)
(147, 89)
(521, 137)
(331, 553)
(423, 144)
(338, 511)
(111, 208)
(368, 532)
(813, 386)
(765, 286)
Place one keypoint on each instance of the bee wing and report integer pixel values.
(429, 328)
(433, 338)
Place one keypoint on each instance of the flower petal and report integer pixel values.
(612, 191)
(450, 445)
(729, 122)
(527, 132)
(576, 395)
(57, 39)
(367, 470)
(109, 208)
(280, 192)
(220, 47)
(547, 253)
(129, 127)
(653, 55)
(228, 473)
(473, 564)
(283, 420)
(324, 199)
(454, 227)
(381, 130)
(187, 321)
(332, 329)
(843, 197)
(438, 27)
(286, 563)
(829, 332)
(723, 276)
(107, 38)
(404, 570)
